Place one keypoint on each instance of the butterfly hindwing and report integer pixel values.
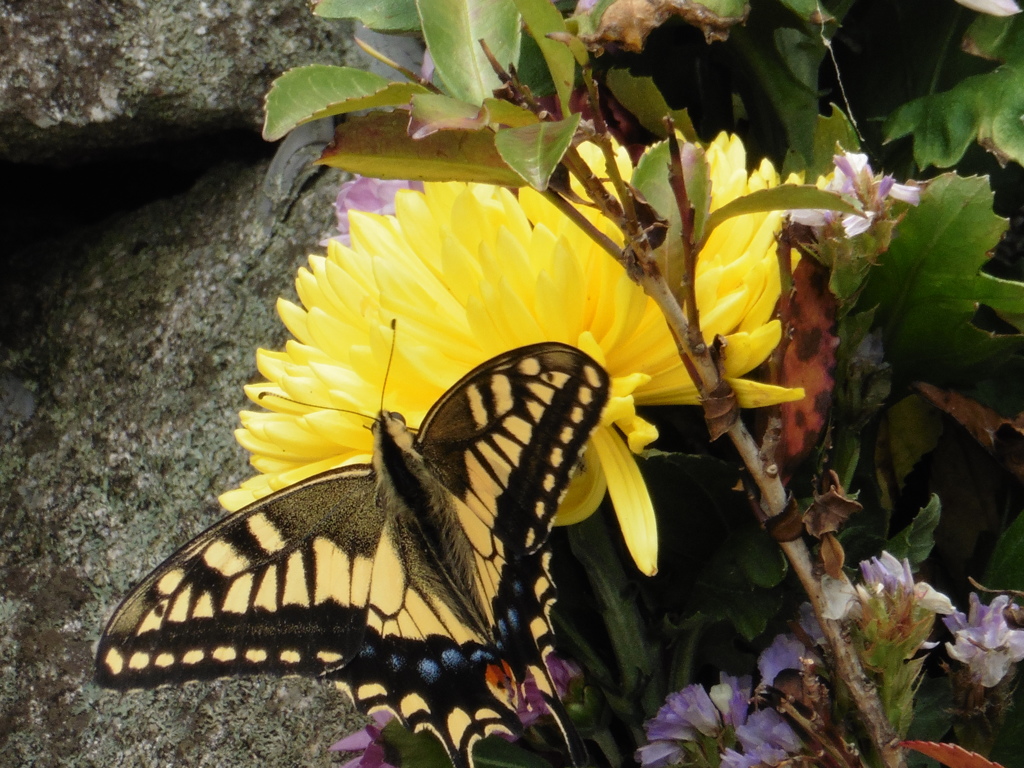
(280, 587)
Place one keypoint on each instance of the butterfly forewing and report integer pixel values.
(507, 438)
(279, 587)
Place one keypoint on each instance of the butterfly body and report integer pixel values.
(419, 583)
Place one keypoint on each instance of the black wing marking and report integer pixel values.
(506, 439)
(280, 586)
(334, 577)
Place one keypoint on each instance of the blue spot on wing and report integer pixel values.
(430, 670)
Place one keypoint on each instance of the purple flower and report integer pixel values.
(889, 576)
(370, 196)
(366, 741)
(732, 698)
(685, 714)
(785, 652)
(809, 624)
(853, 176)
(766, 738)
(691, 714)
(984, 641)
(531, 701)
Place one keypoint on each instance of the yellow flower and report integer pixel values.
(472, 271)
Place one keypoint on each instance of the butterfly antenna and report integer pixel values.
(387, 371)
(262, 395)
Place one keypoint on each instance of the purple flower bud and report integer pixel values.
(732, 698)
(984, 641)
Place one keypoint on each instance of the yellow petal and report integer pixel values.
(632, 503)
(586, 491)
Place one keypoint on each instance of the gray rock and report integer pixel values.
(79, 76)
(124, 352)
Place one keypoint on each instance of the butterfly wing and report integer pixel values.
(505, 441)
(281, 586)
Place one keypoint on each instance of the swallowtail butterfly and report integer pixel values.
(419, 583)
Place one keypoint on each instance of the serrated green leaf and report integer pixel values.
(309, 93)
(785, 197)
(984, 108)
(379, 145)
(541, 18)
(381, 15)
(915, 542)
(534, 151)
(928, 285)
(1006, 566)
(453, 30)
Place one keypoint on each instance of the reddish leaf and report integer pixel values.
(809, 313)
(950, 754)
(1003, 438)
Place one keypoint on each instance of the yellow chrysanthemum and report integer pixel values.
(471, 271)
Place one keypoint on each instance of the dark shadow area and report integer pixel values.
(44, 202)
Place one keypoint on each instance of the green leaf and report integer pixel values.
(915, 542)
(983, 108)
(381, 15)
(423, 749)
(508, 114)
(830, 134)
(760, 558)
(309, 93)
(1006, 566)
(379, 145)
(912, 429)
(541, 19)
(534, 151)
(928, 285)
(933, 708)
(780, 87)
(453, 30)
(643, 99)
(785, 197)
(1009, 743)
(808, 10)
(495, 752)
(432, 112)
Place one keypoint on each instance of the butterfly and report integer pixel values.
(419, 583)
